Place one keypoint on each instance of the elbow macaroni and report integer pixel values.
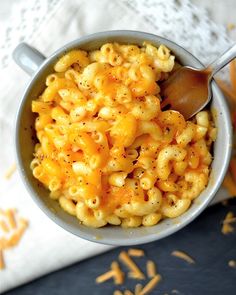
(106, 151)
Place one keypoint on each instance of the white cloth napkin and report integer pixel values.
(45, 247)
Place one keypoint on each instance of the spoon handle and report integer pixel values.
(223, 60)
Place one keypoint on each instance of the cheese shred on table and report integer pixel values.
(10, 171)
(136, 252)
(138, 288)
(128, 292)
(227, 228)
(151, 269)
(118, 273)
(184, 256)
(11, 231)
(150, 285)
(135, 271)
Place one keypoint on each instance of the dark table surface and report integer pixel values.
(202, 240)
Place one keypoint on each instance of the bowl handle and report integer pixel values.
(28, 58)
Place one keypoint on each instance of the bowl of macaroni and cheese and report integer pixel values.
(99, 155)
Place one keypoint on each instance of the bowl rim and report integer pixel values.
(106, 240)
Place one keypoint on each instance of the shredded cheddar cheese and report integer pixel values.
(114, 273)
(10, 213)
(135, 272)
(227, 228)
(10, 171)
(138, 288)
(183, 256)
(150, 285)
(104, 277)
(136, 252)
(151, 269)
(11, 231)
(4, 227)
(3, 243)
(118, 274)
(229, 220)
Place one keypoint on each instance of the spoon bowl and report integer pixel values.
(188, 90)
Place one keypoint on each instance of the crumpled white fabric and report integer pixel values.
(48, 25)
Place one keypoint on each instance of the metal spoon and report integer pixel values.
(188, 89)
